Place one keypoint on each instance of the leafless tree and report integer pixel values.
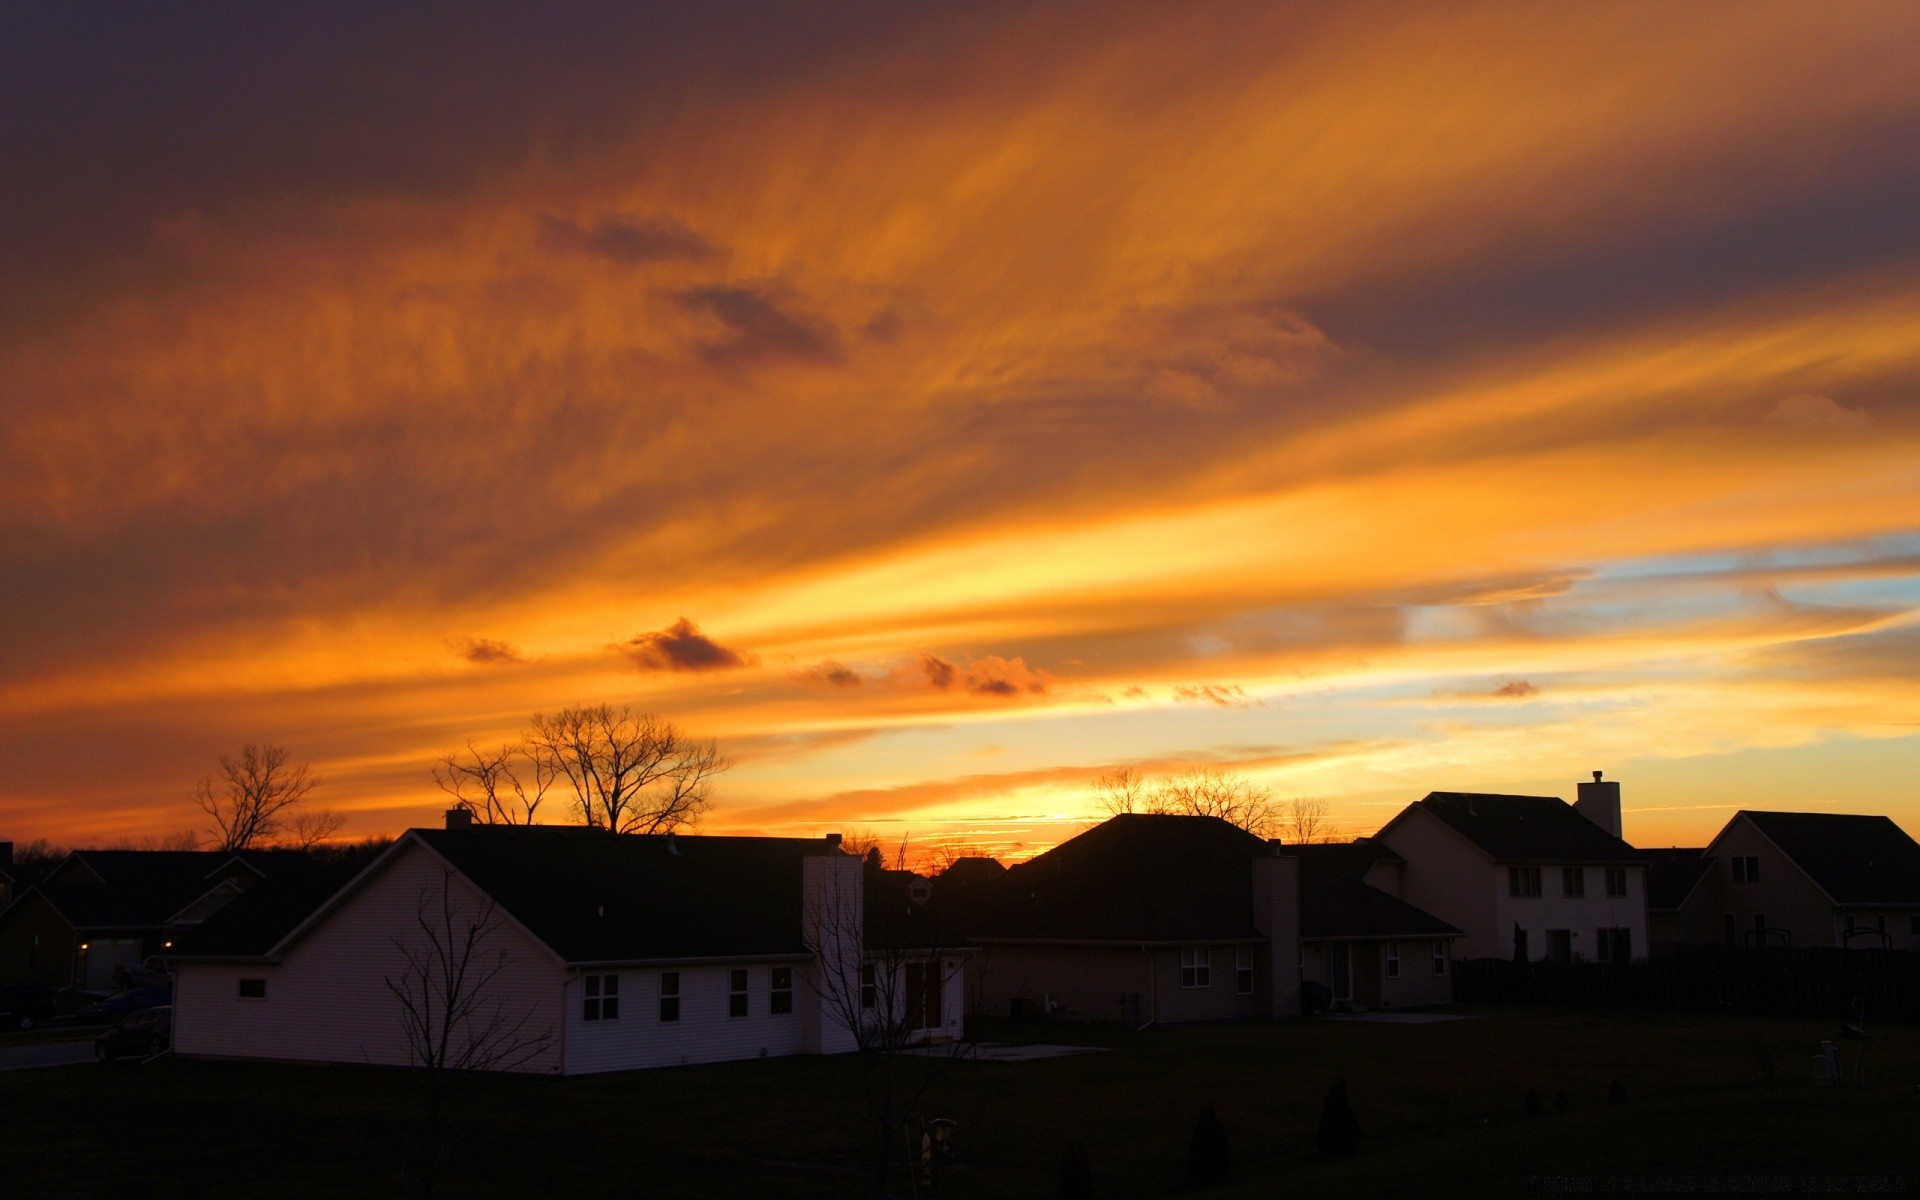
(1123, 790)
(311, 828)
(251, 797)
(1306, 822)
(875, 983)
(1200, 792)
(453, 1016)
(504, 786)
(630, 772)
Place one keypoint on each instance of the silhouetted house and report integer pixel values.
(7, 881)
(100, 913)
(1144, 919)
(1678, 882)
(1525, 876)
(916, 956)
(1369, 947)
(610, 952)
(1809, 879)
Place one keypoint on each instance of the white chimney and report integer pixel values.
(1600, 803)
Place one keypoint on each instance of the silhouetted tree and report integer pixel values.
(1200, 792)
(1339, 1127)
(1209, 1157)
(1076, 1173)
(630, 772)
(502, 786)
(1306, 822)
(454, 1014)
(252, 800)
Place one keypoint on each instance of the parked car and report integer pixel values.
(145, 1033)
(115, 1008)
(23, 1005)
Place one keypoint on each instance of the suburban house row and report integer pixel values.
(606, 952)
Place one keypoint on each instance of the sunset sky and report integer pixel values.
(942, 404)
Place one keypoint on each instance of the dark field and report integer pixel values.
(1442, 1110)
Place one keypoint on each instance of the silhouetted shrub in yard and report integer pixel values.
(1076, 1173)
(1534, 1107)
(1339, 1128)
(1208, 1156)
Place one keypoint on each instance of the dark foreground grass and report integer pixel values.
(1442, 1111)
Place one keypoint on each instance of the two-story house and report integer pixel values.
(1528, 877)
(1807, 879)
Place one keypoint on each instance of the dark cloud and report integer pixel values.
(624, 239)
(1226, 695)
(681, 647)
(1511, 689)
(486, 651)
(939, 672)
(831, 673)
(760, 328)
(1516, 689)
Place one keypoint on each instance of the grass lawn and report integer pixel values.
(1442, 1111)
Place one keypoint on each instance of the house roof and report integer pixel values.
(1135, 878)
(1336, 903)
(1673, 874)
(142, 889)
(1526, 828)
(1855, 860)
(903, 916)
(261, 916)
(592, 896)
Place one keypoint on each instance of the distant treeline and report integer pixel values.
(1808, 981)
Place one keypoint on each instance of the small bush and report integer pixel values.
(1339, 1128)
(1208, 1156)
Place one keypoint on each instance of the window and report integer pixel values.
(669, 995)
(869, 986)
(1616, 945)
(1393, 960)
(1559, 945)
(1573, 881)
(602, 998)
(253, 989)
(781, 1001)
(1439, 958)
(737, 993)
(1243, 970)
(1196, 969)
(1523, 881)
(1616, 881)
(1746, 868)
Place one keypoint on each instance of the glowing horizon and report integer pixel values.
(1372, 402)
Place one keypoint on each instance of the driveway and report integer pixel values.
(45, 1054)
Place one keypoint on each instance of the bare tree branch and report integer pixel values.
(505, 786)
(630, 772)
(249, 797)
(1200, 792)
(1306, 822)
(1123, 790)
(309, 829)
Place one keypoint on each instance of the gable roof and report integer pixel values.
(593, 896)
(1135, 878)
(1673, 874)
(1336, 903)
(143, 889)
(1861, 861)
(1543, 829)
(256, 920)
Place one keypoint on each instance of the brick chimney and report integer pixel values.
(459, 817)
(1599, 802)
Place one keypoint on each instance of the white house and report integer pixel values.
(1525, 876)
(598, 952)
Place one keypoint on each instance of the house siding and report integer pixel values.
(1447, 876)
(1785, 895)
(30, 916)
(1582, 916)
(1086, 983)
(328, 1001)
(704, 1032)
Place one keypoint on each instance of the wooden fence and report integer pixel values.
(1817, 981)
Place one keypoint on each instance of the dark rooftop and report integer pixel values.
(1672, 875)
(1527, 828)
(255, 921)
(1336, 902)
(141, 889)
(593, 896)
(1134, 878)
(1856, 860)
